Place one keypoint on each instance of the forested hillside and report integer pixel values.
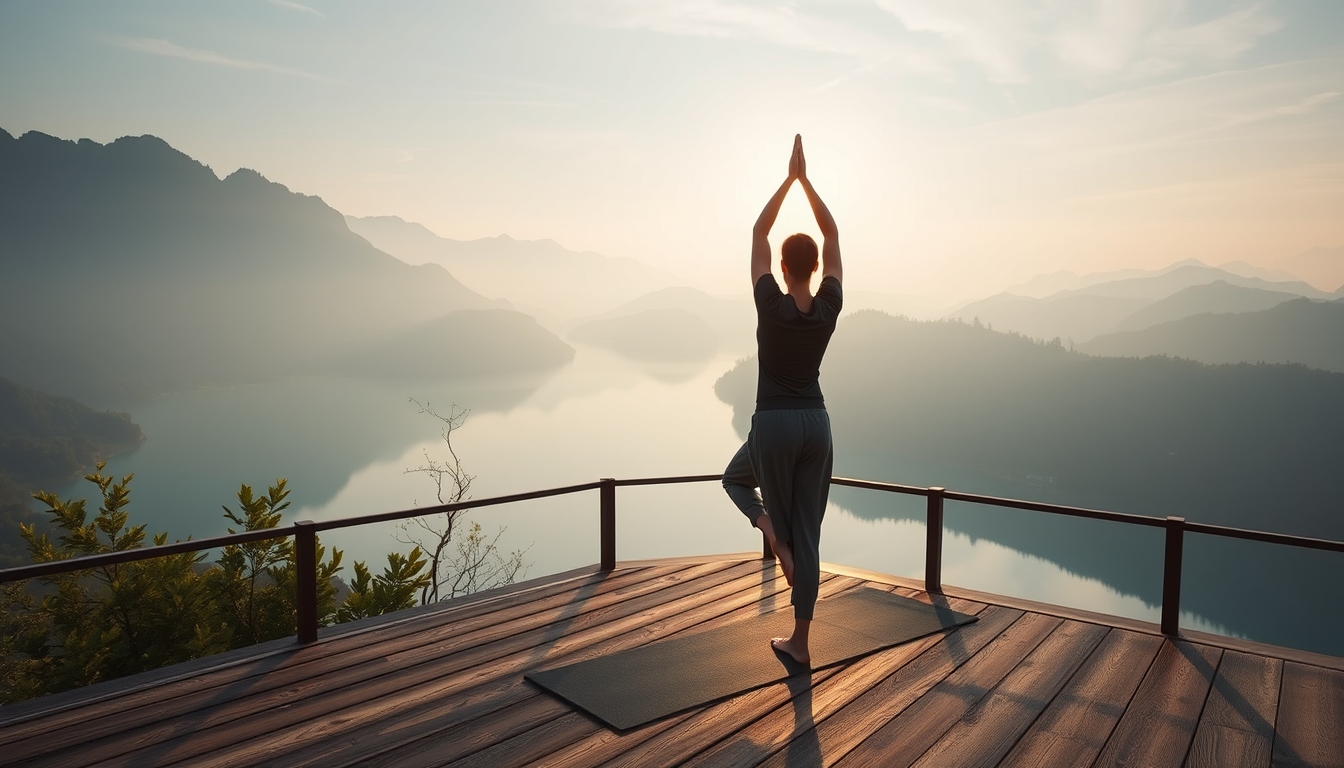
(46, 441)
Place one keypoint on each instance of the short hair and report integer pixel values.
(799, 254)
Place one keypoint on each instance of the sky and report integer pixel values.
(963, 145)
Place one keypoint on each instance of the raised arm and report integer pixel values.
(830, 234)
(760, 234)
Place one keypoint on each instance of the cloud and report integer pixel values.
(1010, 40)
(160, 47)
(297, 7)
(787, 26)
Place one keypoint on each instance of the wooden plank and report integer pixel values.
(604, 745)
(988, 731)
(1311, 718)
(1159, 724)
(1110, 620)
(871, 707)
(1073, 730)
(335, 684)
(1237, 727)
(748, 738)
(307, 711)
(901, 740)
(97, 715)
(524, 747)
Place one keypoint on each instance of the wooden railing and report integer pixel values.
(305, 538)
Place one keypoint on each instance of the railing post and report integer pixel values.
(608, 494)
(933, 551)
(1171, 577)
(305, 578)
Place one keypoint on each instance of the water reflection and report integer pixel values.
(345, 444)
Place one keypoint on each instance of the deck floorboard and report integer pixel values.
(442, 685)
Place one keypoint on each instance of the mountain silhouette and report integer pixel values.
(1216, 297)
(1083, 313)
(130, 269)
(537, 276)
(1302, 331)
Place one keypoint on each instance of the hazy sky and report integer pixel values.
(963, 144)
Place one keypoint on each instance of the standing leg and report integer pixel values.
(811, 481)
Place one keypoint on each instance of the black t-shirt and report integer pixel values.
(790, 344)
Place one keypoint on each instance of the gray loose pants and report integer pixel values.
(788, 454)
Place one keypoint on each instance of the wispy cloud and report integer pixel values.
(297, 7)
(788, 26)
(1012, 39)
(159, 47)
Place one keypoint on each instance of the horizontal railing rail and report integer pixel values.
(305, 537)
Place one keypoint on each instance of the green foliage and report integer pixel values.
(79, 628)
(394, 590)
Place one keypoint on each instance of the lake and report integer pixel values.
(345, 445)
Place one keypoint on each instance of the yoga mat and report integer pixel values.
(633, 687)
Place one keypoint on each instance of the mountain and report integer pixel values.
(1082, 313)
(463, 344)
(661, 334)
(130, 269)
(538, 276)
(46, 441)
(1322, 267)
(1216, 297)
(1302, 331)
(950, 404)
(706, 323)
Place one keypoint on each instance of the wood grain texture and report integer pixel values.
(1072, 731)
(443, 685)
(991, 727)
(1237, 727)
(1159, 724)
(786, 726)
(493, 650)
(1311, 718)
(900, 742)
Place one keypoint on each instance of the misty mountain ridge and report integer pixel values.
(1218, 297)
(538, 276)
(1300, 331)
(131, 269)
(1080, 314)
(1157, 435)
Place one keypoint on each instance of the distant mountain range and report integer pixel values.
(1130, 302)
(1298, 331)
(672, 325)
(130, 269)
(537, 276)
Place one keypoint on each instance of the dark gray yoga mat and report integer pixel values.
(637, 686)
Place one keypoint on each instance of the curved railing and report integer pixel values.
(305, 537)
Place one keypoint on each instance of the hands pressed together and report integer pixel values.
(797, 163)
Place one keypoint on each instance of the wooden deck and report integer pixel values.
(1026, 685)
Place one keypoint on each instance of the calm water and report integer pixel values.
(345, 446)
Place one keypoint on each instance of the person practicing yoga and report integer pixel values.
(788, 452)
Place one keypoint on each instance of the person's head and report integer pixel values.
(798, 257)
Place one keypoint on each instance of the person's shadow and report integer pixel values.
(804, 750)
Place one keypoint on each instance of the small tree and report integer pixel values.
(80, 628)
(475, 562)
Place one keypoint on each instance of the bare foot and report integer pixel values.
(787, 645)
